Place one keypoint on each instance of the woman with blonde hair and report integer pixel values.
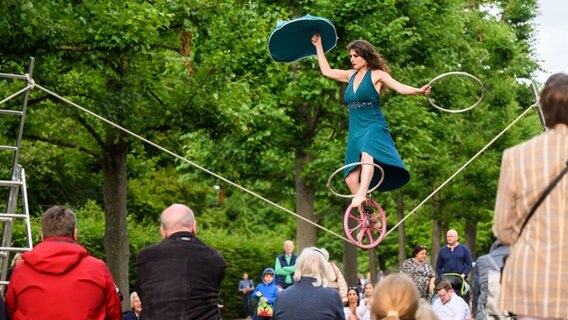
(309, 298)
(397, 298)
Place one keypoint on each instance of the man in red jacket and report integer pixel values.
(59, 279)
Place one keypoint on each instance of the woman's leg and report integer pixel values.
(352, 180)
(363, 176)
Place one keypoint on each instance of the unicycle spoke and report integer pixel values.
(358, 219)
(370, 235)
(360, 235)
(359, 226)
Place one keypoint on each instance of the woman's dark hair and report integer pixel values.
(554, 100)
(356, 289)
(374, 59)
(417, 249)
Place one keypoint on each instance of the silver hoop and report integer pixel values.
(352, 165)
(443, 75)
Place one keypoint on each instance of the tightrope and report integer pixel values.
(462, 167)
(189, 162)
(32, 85)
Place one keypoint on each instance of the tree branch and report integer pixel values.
(163, 46)
(91, 130)
(153, 94)
(66, 47)
(61, 144)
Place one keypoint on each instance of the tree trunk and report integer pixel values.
(470, 241)
(436, 244)
(350, 263)
(305, 232)
(401, 231)
(471, 238)
(436, 231)
(115, 190)
(382, 262)
(373, 264)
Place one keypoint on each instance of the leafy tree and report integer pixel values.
(195, 76)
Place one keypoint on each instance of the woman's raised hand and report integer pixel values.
(316, 40)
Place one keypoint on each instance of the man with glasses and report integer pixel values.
(448, 305)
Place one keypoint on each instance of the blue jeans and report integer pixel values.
(246, 305)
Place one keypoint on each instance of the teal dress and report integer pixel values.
(368, 132)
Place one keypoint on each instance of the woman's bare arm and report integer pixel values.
(326, 70)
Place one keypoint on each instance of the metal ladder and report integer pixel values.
(16, 183)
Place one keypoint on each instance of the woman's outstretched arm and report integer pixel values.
(401, 88)
(326, 70)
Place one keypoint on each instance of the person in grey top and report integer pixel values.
(494, 260)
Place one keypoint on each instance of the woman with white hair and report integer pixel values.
(309, 298)
(136, 305)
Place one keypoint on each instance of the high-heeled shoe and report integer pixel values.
(358, 200)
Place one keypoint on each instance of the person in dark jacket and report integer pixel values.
(309, 298)
(136, 305)
(59, 279)
(494, 260)
(454, 264)
(3, 311)
(454, 257)
(179, 278)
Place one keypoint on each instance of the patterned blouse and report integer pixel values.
(421, 273)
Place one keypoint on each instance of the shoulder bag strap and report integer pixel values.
(544, 194)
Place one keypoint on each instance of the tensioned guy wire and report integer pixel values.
(31, 85)
(188, 161)
(18, 93)
(462, 167)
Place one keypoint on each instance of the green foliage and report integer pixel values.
(243, 254)
(194, 76)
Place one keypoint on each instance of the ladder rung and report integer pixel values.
(11, 112)
(11, 148)
(10, 183)
(14, 249)
(12, 215)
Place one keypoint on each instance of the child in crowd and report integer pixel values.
(266, 293)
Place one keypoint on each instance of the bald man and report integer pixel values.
(179, 278)
(454, 257)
